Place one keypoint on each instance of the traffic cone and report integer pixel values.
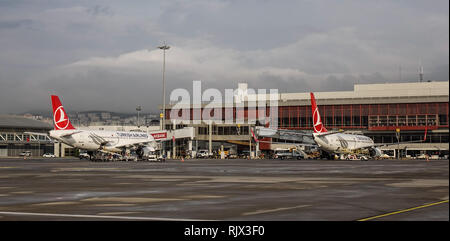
(182, 159)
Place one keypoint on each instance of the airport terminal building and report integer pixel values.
(14, 138)
(380, 111)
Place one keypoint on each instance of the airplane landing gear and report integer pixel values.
(140, 153)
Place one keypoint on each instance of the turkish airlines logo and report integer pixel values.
(317, 122)
(60, 119)
(159, 135)
(343, 142)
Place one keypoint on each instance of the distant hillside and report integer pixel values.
(48, 114)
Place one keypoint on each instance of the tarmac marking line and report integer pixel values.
(97, 216)
(404, 210)
(273, 210)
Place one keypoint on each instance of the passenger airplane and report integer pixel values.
(93, 140)
(335, 142)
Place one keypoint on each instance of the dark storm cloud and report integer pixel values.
(12, 24)
(102, 54)
(98, 10)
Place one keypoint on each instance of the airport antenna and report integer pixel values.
(420, 72)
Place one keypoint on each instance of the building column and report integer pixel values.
(174, 149)
(190, 147)
(174, 140)
(250, 143)
(57, 149)
(257, 149)
(63, 150)
(210, 137)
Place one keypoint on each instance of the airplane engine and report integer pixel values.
(140, 152)
(375, 152)
(147, 149)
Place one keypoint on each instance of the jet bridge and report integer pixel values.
(175, 143)
(284, 138)
(288, 135)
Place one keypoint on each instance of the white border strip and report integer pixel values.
(97, 216)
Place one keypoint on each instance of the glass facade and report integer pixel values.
(407, 116)
(378, 121)
(371, 117)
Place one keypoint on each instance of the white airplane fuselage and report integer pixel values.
(341, 142)
(96, 140)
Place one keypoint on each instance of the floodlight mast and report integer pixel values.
(164, 48)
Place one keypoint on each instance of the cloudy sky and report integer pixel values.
(102, 55)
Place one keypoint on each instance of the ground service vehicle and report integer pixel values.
(25, 153)
(48, 155)
(202, 154)
(288, 154)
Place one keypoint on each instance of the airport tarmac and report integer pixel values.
(72, 189)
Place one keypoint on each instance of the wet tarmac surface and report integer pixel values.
(72, 189)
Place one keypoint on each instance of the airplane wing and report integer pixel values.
(329, 133)
(137, 144)
(351, 132)
(132, 143)
(70, 134)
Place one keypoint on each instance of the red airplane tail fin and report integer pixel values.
(317, 121)
(60, 119)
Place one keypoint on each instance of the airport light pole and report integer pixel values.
(164, 48)
(397, 134)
